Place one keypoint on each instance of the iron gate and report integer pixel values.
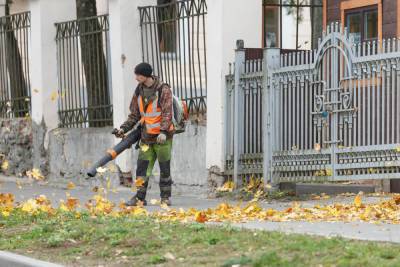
(334, 111)
(330, 114)
(174, 42)
(14, 66)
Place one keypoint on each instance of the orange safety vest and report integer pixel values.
(151, 117)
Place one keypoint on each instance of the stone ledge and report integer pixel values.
(15, 260)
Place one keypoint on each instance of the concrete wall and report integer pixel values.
(72, 151)
(16, 145)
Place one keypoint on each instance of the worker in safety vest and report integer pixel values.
(151, 105)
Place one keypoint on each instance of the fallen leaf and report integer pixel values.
(35, 173)
(4, 165)
(139, 182)
(70, 185)
(358, 201)
(154, 202)
(169, 256)
(200, 217)
(144, 147)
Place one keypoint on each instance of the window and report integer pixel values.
(292, 24)
(362, 24)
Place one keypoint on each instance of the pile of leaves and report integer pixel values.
(387, 211)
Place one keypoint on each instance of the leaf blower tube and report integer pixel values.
(132, 138)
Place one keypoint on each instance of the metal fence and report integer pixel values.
(84, 94)
(174, 42)
(330, 114)
(244, 117)
(14, 66)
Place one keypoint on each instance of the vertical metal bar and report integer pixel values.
(290, 105)
(373, 106)
(387, 102)
(383, 97)
(392, 98)
(239, 60)
(397, 100)
(368, 104)
(378, 106)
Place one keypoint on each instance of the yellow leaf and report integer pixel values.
(4, 165)
(154, 201)
(398, 149)
(70, 185)
(144, 147)
(35, 173)
(164, 206)
(139, 182)
(329, 172)
(227, 187)
(358, 201)
(19, 184)
(5, 213)
(54, 95)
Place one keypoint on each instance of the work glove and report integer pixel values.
(120, 133)
(161, 138)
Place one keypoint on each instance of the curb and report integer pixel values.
(8, 259)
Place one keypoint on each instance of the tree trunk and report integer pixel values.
(18, 84)
(94, 64)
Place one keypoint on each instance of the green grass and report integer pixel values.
(144, 242)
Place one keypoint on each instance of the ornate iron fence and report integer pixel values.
(330, 114)
(14, 65)
(84, 94)
(173, 41)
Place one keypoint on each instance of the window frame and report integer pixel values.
(363, 11)
(280, 6)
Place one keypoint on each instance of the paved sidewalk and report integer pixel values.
(354, 230)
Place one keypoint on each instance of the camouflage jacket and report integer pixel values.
(165, 103)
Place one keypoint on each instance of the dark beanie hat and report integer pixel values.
(144, 69)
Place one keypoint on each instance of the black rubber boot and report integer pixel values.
(134, 201)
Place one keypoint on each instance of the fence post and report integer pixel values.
(270, 61)
(239, 63)
(43, 69)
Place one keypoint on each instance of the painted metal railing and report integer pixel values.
(14, 65)
(83, 57)
(174, 42)
(328, 114)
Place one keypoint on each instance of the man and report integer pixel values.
(152, 106)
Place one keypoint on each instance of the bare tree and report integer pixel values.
(94, 63)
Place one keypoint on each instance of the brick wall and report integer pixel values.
(389, 19)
